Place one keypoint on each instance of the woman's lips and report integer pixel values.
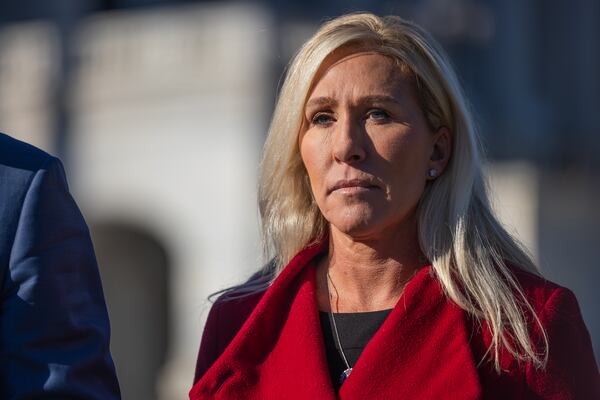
(349, 186)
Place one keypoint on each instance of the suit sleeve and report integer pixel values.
(571, 372)
(54, 330)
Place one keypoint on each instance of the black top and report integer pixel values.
(354, 330)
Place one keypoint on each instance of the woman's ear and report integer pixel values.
(440, 154)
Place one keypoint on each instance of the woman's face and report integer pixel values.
(367, 147)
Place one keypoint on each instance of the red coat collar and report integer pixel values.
(420, 352)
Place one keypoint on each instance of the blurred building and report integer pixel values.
(160, 113)
(166, 134)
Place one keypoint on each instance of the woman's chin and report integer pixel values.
(362, 223)
(355, 225)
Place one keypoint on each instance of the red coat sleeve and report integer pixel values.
(571, 372)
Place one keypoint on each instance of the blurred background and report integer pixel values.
(159, 110)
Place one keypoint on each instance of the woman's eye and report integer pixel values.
(322, 119)
(378, 115)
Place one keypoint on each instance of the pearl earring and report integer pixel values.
(432, 173)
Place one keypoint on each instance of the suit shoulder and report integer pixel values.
(19, 155)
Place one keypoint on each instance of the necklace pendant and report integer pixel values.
(345, 375)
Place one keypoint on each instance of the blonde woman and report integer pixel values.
(391, 277)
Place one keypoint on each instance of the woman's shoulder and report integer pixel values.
(232, 309)
(541, 292)
(227, 314)
(571, 366)
(556, 307)
(237, 302)
(225, 318)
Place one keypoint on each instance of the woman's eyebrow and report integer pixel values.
(325, 101)
(321, 101)
(378, 99)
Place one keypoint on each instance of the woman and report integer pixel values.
(391, 277)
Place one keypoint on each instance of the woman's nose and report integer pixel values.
(348, 145)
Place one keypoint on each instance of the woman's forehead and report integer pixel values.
(364, 73)
(351, 51)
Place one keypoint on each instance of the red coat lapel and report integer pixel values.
(421, 351)
(279, 351)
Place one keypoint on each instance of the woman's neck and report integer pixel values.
(359, 275)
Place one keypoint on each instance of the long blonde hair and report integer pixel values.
(467, 246)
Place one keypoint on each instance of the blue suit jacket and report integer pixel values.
(54, 330)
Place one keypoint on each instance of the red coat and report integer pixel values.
(270, 346)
